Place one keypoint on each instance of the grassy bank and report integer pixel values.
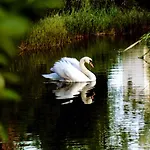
(61, 29)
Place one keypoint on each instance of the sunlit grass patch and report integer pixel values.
(48, 33)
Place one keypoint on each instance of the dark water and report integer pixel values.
(112, 113)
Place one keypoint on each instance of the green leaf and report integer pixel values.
(13, 25)
(8, 94)
(2, 82)
(3, 60)
(10, 77)
(3, 133)
(8, 46)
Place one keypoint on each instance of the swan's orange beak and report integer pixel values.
(91, 64)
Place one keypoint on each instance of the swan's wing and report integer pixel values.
(73, 61)
(53, 76)
(67, 71)
(60, 68)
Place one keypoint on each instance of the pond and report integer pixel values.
(111, 113)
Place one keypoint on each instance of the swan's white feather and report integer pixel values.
(73, 61)
(53, 76)
(67, 71)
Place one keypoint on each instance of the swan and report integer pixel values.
(71, 70)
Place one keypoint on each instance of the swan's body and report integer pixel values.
(71, 70)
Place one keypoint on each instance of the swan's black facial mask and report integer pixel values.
(91, 64)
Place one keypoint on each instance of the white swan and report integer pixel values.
(71, 70)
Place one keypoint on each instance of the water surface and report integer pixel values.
(111, 113)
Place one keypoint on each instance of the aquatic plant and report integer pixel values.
(60, 29)
(104, 20)
(146, 38)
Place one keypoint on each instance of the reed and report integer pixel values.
(49, 32)
(61, 29)
(104, 20)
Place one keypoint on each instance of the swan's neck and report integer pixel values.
(88, 73)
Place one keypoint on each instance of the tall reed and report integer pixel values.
(60, 29)
(49, 32)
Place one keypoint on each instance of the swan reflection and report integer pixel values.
(71, 90)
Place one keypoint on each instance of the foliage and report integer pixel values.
(11, 28)
(99, 4)
(14, 23)
(55, 31)
(48, 33)
(15, 20)
(146, 38)
(104, 20)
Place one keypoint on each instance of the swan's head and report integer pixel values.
(87, 60)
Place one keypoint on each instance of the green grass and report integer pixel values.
(49, 32)
(88, 21)
(58, 30)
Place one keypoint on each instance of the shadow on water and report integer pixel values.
(112, 113)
